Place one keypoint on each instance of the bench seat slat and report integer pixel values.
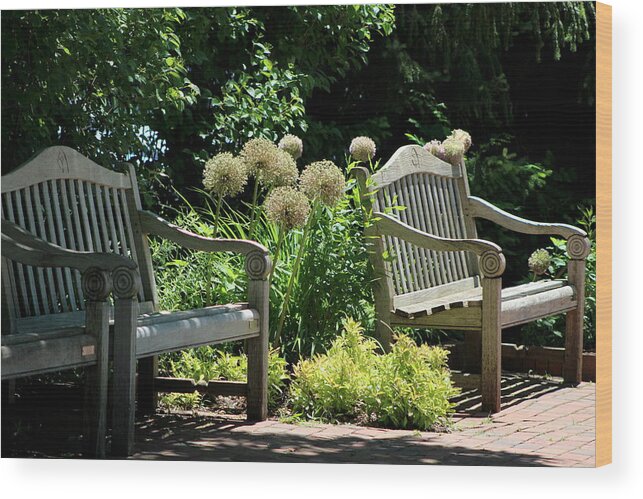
(176, 334)
(29, 325)
(155, 333)
(37, 353)
(473, 298)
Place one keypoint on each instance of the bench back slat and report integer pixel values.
(64, 198)
(428, 194)
(45, 293)
(38, 227)
(60, 274)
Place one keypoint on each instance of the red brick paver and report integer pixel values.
(542, 424)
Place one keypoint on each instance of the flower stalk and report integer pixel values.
(293, 277)
(217, 214)
(253, 210)
(280, 239)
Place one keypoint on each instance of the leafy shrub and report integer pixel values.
(333, 280)
(209, 363)
(551, 330)
(413, 386)
(409, 387)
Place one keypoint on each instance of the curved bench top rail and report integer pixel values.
(412, 159)
(61, 162)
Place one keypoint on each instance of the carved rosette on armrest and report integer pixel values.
(258, 265)
(578, 247)
(126, 282)
(492, 264)
(97, 284)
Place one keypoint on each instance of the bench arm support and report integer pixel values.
(578, 246)
(480, 208)
(492, 261)
(257, 260)
(23, 247)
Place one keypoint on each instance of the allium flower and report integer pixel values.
(453, 151)
(259, 155)
(463, 137)
(287, 206)
(362, 148)
(539, 261)
(283, 171)
(323, 180)
(225, 175)
(292, 145)
(435, 147)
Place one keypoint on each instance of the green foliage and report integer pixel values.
(209, 363)
(551, 331)
(452, 64)
(262, 101)
(255, 67)
(409, 387)
(467, 41)
(89, 79)
(191, 279)
(333, 280)
(168, 88)
(497, 174)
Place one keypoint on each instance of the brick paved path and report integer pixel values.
(542, 424)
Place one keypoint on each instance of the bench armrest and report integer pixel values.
(23, 247)
(484, 209)
(257, 260)
(492, 261)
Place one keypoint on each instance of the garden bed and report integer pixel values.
(525, 359)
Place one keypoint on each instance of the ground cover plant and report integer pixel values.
(208, 363)
(409, 387)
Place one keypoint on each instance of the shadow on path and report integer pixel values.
(515, 389)
(45, 422)
(194, 438)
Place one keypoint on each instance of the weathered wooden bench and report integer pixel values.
(63, 198)
(433, 272)
(36, 350)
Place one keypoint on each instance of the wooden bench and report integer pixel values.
(433, 272)
(64, 199)
(61, 345)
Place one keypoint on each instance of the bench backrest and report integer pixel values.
(66, 199)
(434, 194)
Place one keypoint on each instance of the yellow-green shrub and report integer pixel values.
(409, 387)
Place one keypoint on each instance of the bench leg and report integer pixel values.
(491, 344)
(124, 378)
(146, 391)
(384, 333)
(96, 382)
(258, 294)
(573, 365)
